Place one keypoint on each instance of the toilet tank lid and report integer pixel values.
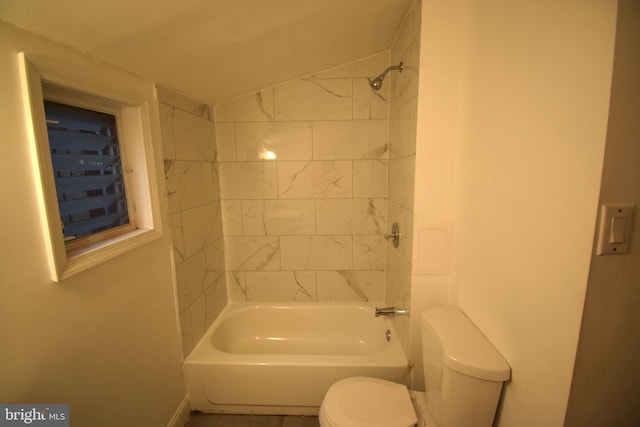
(465, 349)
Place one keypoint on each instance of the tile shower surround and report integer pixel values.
(309, 224)
(303, 184)
(193, 196)
(403, 119)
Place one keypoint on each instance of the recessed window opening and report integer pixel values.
(94, 162)
(88, 173)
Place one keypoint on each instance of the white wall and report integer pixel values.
(104, 341)
(533, 116)
(607, 373)
(436, 133)
(512, 122)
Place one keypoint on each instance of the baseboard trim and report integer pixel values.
(261, 410)
(181, 416)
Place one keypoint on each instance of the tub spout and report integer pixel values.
(391, 311)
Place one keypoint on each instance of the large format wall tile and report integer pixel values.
(405, 88)
(401, 131)
(369, 104)
(278, 217)
(236, 287)
(403, 107)
(273, 141)
(244, 253)
(226, 142)
(166, 128)
(193, 195)
(303, 180)
(311, 174)
(314, 99)
(256, 107)
(189, 184)
(248, 180)
(232, 217)
(350, 139)
(369, 252)
(190, 277)
(177, 237)
(202, 227)
(193, 137)
(351, 285)
(370, 178)
(315, 179)
(351, 216)
(401, 180)
(277, 286)
(316, 252)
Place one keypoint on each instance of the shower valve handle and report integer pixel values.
(395, 235)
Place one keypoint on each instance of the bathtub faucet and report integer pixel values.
(391, 311)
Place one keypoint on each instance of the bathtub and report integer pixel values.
(281, 359)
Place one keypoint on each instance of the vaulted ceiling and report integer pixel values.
(213, 50)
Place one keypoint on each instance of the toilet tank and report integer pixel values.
(463, 372)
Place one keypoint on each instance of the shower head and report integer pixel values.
(376, 83)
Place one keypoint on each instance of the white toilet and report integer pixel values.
(463, 374)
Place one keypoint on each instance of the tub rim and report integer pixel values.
(205, 353)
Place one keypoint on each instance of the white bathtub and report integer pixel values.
(273, 358)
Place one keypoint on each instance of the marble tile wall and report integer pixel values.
(190, 154)
(403, 107)
(303, 184)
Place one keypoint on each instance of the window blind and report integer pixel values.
(87, 169)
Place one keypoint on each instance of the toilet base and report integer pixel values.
(419, 401)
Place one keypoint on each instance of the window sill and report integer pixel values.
(97, 254)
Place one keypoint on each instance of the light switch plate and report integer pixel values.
(615, 228)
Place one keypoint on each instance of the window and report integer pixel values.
(88, 175)
(91, 129)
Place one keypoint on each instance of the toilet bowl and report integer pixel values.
(463, 375)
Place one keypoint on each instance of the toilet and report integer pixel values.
(463, 376)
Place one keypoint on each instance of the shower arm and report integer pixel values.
(376, 83)
(393, 67)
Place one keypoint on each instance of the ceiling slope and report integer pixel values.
(213, 50)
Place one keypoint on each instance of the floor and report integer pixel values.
(227, 420)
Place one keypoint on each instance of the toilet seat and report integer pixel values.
(367, 402)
